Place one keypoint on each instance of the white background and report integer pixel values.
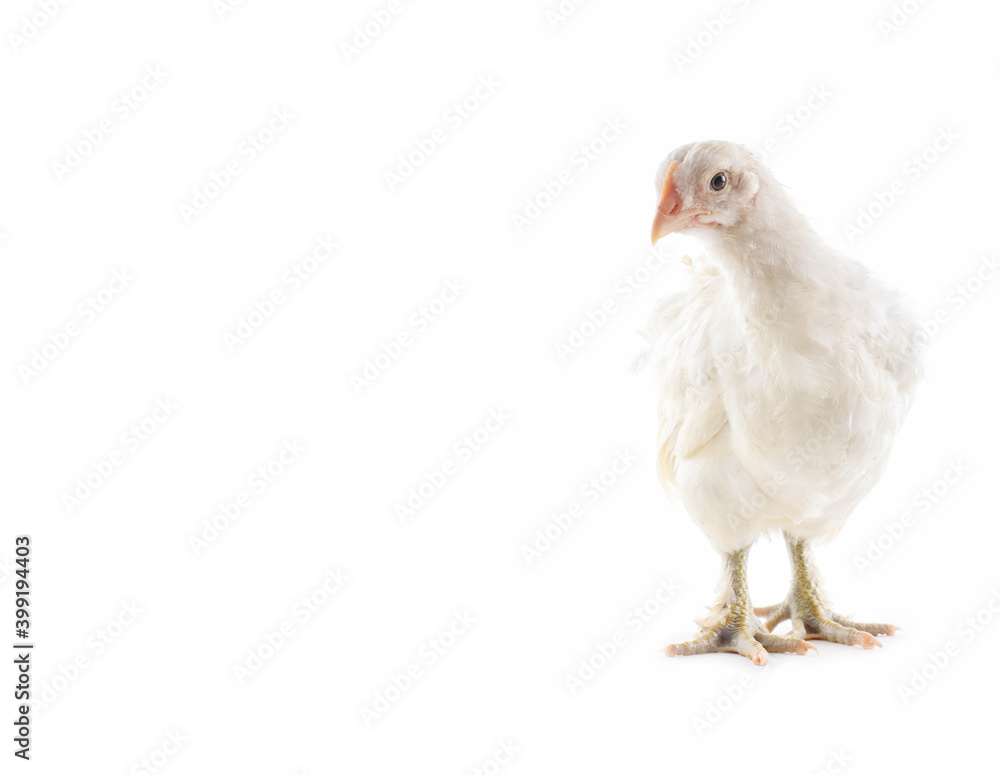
(556, 84)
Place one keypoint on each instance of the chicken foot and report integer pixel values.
(807, 608)
(734, 627)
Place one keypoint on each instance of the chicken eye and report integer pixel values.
(719, 181)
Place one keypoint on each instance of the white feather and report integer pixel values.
(785, 369)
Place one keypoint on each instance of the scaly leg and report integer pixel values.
(807, 607)
(733, 626)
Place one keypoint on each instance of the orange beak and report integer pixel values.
(670, 216)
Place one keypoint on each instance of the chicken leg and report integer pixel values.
(733, 626)
(807, 607)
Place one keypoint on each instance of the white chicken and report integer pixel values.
(786, 370)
